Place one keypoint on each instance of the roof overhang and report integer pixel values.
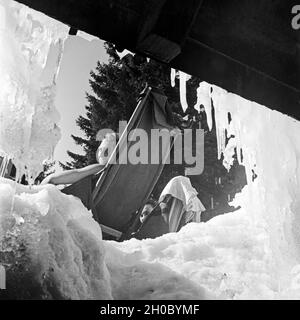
(246, 47)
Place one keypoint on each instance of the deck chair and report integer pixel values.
(120, 192)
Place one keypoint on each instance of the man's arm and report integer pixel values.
(72, 176)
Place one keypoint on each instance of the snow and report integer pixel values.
(50, 244)
(229, 257)
(225, 258)
(53, 236)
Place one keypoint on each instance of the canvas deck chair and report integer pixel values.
(119, 193)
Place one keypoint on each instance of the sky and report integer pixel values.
(79, 58)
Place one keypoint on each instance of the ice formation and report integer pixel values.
(267, 144)
(183, 78)
(28, 118)
(204, 98)
(172, 77)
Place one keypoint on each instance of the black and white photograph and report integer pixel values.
(149, 151)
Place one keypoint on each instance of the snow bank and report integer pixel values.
(52, 249)
(30, 51)
(267, 143)
(229, 257)
(135, 275)
(270, 146)
(226, 258)
(50, 245)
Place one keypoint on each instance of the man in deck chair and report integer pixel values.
(99, 185)
(178, 202)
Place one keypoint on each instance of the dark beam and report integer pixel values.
(256, 33)
(216, 68)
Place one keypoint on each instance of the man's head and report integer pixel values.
(106, 147)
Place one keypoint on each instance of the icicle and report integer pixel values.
(183, 78)
(204, 98)
(173, 76)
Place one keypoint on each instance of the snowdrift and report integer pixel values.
(52, 248)
(50, 245)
